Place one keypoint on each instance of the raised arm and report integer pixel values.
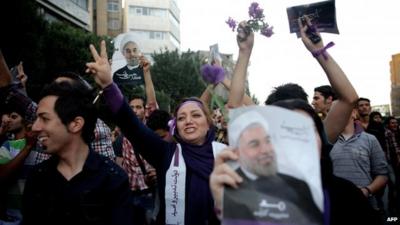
(5, 75)
(151, 103)
(340, 112)
(144, 140)
(239, 73)
(22, 77)
(246, 99)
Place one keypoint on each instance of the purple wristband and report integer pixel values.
(322, 51)
(113, 97)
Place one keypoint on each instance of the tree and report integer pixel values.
(177, 75)
(45, 48)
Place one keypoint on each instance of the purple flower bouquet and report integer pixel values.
(255, 23)
(212, 74)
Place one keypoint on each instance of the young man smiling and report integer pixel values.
(76, 185)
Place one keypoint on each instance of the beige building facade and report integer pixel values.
(395, 80)
(155, 24)
(107, 17)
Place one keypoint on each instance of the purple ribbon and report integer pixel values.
(176, 160)
(322, 51)
(172, 125)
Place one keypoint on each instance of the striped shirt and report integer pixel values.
(358, 159)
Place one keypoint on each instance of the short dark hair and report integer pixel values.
(326, 91)
(74, 77)
(363, 99)
(74, 99)
(373, 114)
(388, 119)
(158, 119)
(285, 92)
(133, 97)
(13, 107)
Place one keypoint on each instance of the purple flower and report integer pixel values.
(255, 23)
(267, 31)
(212, 74)
(232, 23)
(255, 11)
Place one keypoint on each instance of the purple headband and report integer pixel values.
(197, 102)
(172, 122)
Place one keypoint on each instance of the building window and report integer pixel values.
(145, 34)
(174, 40)
(145, 11)
(157, 35)
(173, 20)
(113, 7)
(81, 3)
(158, 12)
(114, 24)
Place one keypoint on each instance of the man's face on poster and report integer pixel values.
(131, 54)
(256, 152)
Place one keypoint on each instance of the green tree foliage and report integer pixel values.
(45, 48)
(21, 38)
(177, 75)
(67, 48)
(164, 101)
(48, 48)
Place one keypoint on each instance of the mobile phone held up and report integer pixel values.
(311, 31)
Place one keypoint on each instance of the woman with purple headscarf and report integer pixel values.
(183, 167)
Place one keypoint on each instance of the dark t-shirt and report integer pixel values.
(125, 76)
(98, 195)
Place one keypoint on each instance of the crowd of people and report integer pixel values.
(62, 164)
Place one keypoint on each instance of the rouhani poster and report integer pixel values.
(280, 166)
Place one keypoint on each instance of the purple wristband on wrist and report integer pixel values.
(322, 51)
(113, 97)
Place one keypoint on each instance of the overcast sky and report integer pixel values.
(369, 36)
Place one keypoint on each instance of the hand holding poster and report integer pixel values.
(321, 14)
(279, 164)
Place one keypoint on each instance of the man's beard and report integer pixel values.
(132, 62)
(259, 169)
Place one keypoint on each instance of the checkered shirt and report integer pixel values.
(132, 167)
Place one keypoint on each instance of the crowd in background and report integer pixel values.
(62, 164)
